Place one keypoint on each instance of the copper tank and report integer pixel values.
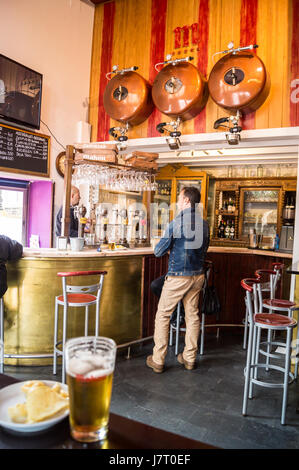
(127, 98)
(180, 90)
(239, 81)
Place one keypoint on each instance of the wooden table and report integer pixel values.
(124, 433)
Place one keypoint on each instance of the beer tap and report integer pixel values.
(114, 222)
(141, 227)
(123, 228)
(101, 224)
(80, 212)
(132, 226)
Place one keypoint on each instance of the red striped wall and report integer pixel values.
(294, 96)
(202, 64)
(248, 24)
(157, 54)
(106, 66)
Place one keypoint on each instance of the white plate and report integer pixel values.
(11, 395)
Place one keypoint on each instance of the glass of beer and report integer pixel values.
(90, 364)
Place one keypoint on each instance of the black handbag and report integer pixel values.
(210, 302)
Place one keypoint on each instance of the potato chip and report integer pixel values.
(31, 384)
(18, 413)
(43, 403)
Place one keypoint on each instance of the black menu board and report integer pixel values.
(24, 151)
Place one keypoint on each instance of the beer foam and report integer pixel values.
(90, 365)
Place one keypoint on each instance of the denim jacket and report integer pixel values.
(187, 237)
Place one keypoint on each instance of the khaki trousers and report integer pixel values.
(176, 288)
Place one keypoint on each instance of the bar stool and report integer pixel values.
(267, 321)
(75, 296)
(277, 305)
(267, 286)
(176, 327)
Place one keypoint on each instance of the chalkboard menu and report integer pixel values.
(24, 151)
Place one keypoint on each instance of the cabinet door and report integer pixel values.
(161, 211)
(259, 211)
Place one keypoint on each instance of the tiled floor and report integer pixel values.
(203, 404)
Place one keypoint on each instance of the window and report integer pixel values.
(13, 209)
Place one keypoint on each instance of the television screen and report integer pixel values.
(20, 93)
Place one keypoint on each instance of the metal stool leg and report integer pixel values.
(55, 337)
(254, 357)
(202, 339)
(269, 342)
(245, 329)
(248, 369)
(64, 340)
(86, 321)
(97, 326)
(286, 375)
(177, 328)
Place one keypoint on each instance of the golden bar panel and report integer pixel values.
(30, 300)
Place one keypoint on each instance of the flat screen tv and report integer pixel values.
(20, 93)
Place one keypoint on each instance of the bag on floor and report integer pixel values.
(210, 303)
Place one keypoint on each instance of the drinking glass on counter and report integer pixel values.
(90, 362)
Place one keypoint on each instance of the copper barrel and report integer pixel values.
(127, 98)
(239, 81)
(180, 90)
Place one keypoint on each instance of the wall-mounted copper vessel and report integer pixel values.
(180, 90)
(127, 97)
(239, 81)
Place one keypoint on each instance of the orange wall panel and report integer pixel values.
(142, 34)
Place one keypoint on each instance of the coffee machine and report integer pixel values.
(287, 229)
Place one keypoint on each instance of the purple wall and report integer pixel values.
(40, 212)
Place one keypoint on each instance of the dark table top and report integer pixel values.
(293, 268)
(123, 433)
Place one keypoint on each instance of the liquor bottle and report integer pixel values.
(232, 230)
(230, 205)
(227, 229)
(221, 229)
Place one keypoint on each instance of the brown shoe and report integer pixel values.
(188, 365)
(158, 368)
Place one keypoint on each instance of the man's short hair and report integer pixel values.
(193, 194)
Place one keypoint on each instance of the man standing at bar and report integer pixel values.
(75, 198)
(187, 239)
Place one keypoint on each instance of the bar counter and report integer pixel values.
(127, 309)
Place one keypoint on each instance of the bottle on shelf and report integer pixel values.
(230, 205)
(232, 230)
(227, 230)
(221, 229)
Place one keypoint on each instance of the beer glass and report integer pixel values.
(90, 364)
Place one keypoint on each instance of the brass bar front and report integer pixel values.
(30, 299)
